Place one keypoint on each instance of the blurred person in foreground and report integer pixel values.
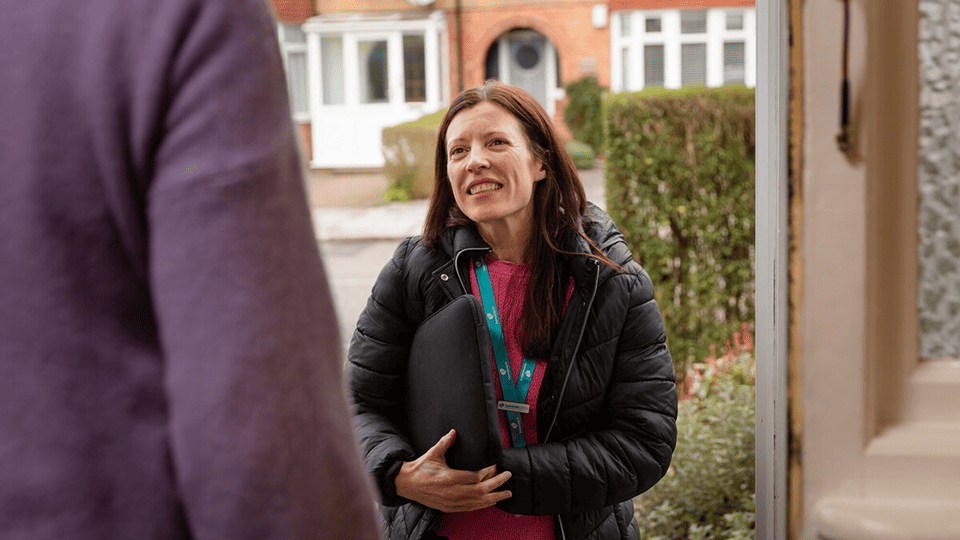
(581, 347)
(169, 362)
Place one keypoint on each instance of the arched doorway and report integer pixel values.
(526, 59)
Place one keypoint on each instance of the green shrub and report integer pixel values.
(708, 493)
(582, 155)
(680, 185)
(408, 151)
(583, 113)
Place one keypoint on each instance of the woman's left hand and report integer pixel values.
(430, 482)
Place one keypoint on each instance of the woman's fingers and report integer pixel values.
(487, 472)
(496, 481)
(437, 451)
(429, 481)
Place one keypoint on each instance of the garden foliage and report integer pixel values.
(680, 184)
(582, 155)
(708, 493)
(583, 113)
(408, 151)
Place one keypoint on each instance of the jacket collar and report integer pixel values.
(597, 225)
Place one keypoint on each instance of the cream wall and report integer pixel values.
(880, 440)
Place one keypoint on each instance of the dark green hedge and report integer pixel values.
(583, 113)
(680, 185)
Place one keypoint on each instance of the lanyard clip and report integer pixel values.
(510, 406)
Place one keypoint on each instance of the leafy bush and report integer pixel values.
(680, 184)
(708, 492)
(582, 155)
(583, 113)
(408, 151)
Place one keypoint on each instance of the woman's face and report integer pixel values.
(490, 166)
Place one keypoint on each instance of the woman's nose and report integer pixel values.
(478, 160)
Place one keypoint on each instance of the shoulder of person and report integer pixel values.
(601, 229)
(412, 254)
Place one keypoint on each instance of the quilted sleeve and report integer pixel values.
(627, 448)
(376, 363)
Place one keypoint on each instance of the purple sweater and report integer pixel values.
(169, 356)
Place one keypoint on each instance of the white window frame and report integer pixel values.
(287, 48)
(347, 135)
(354, 30)
(671, 39)
(394, 65)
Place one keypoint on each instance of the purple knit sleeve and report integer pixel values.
(261, 442)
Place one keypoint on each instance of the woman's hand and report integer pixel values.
(430, 482)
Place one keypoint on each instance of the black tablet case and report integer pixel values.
(450, 385)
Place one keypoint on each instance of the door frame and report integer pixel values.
(772, 263)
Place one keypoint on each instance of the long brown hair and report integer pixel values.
(559, 204)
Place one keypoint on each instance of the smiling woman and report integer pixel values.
(492, 173)
(584, 380)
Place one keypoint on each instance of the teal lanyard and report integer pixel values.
(514, 396)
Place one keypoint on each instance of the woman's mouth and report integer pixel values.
(483, 188)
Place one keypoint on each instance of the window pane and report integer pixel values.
(331, 69)
(625, 68)
(939, 185)
(653, 65)
(414, 69)
(625, 23)
(693, 64)
(297, 82)
(733, 63)
(653, 25)
(693, 21)
(373, 71)
(734, 20)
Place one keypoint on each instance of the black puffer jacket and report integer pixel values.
(615, 430)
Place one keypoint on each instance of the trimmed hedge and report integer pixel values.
(408, 151)
(680, 185)
(583, 113)
(582, 155)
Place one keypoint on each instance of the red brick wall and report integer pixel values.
(569, 27)
(303, 130)
(293, 10)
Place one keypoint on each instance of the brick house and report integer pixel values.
(356, 66)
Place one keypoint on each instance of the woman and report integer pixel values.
(508, 222)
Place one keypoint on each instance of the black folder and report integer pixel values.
(450, 384)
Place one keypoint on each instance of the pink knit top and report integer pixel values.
(509, 281)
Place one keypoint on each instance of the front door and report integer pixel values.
(528, 60)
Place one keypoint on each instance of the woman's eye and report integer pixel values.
(456, 151)
(499, 141)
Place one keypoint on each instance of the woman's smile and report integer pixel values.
(483, 187)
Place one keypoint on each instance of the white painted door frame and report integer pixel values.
(772, 314)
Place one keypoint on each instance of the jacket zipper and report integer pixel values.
(576, 348)
(566, 378)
